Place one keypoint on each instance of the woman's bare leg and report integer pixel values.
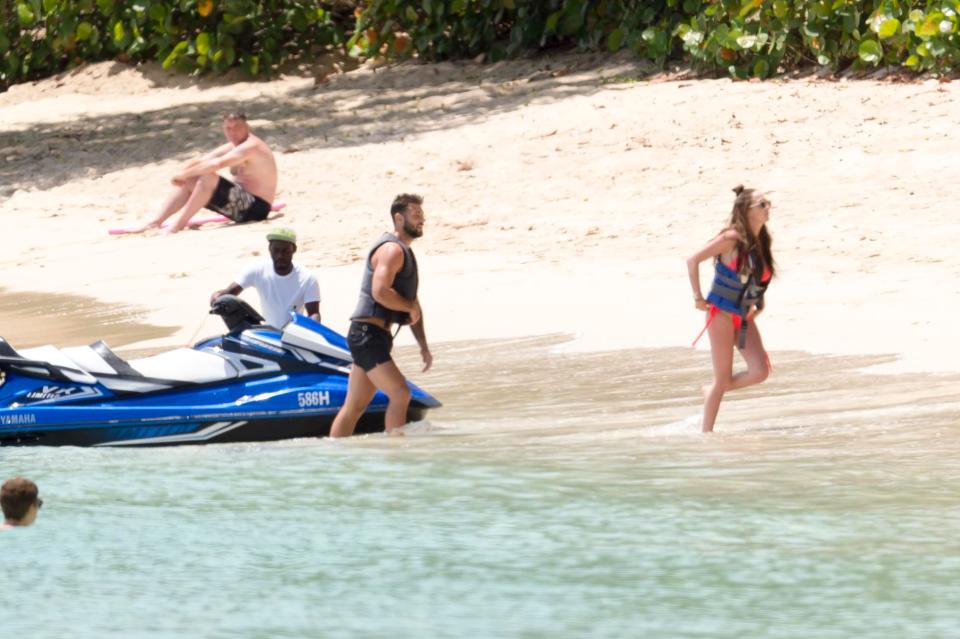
(721, 351)
(756, 357)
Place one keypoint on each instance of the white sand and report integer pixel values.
(560, 199)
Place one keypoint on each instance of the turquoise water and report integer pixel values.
(541, 501)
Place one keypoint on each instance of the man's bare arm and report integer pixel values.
(420, 333)
(223, 149)
(234, 156)
(387, 262)
(313, 310)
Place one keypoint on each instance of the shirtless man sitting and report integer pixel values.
(246, 199)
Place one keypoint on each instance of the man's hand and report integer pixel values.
(427, 358)
(415, 313)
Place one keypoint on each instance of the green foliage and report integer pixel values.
(40, 37)
(744, 38)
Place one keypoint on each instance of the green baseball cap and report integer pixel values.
(282, 234)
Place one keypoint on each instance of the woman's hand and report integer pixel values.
(701, 304)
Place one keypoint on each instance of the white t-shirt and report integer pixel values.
(280, 294)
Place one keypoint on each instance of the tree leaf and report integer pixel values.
(615, 40)
(888, 28)
(552, 21)
(84, 29)
(761, 69)
(119, 32)
(870, 51)
(204, 40)
(25, 15)
(928, 29)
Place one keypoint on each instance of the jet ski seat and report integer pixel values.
(185, 365)
(99, 359)
(55, 357)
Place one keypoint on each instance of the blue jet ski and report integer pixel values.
(256, 383)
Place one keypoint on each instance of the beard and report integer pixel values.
(412, 231)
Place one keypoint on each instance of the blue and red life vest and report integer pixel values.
(736, 294)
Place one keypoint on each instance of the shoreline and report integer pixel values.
(555, 203)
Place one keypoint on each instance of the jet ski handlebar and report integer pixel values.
(235, 313)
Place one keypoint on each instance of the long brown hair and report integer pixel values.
(747, 244)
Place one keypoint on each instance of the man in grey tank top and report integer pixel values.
(388, 296)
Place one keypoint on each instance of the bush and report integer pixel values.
(741, 37)
(745, 38)
(40, 37)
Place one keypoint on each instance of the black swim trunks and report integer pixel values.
(370, 345)
(236, 203)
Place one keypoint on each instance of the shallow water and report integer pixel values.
(554, 495)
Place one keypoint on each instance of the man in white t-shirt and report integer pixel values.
(283, 286)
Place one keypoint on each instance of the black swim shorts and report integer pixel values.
(370, 345)
(236, 203)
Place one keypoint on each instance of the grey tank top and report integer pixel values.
(405, 283)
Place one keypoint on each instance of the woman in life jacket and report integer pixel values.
(743, 267)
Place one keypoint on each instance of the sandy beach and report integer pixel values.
(562, 196)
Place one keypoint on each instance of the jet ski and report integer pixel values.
(254, 383)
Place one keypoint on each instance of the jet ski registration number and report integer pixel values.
(313, 398)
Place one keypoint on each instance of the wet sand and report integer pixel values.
(34, 319)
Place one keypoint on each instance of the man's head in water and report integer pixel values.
(407, 214)
(235, 127)
(283, 244)
(20, 502)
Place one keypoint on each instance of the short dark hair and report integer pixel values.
(235, 115)
(16, 497)
(402, 201)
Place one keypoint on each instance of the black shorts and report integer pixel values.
(370, 345)
(236, 203)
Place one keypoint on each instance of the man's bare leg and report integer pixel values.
(388, 378)
(174, 202)
(202, 192)
(360, 391)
